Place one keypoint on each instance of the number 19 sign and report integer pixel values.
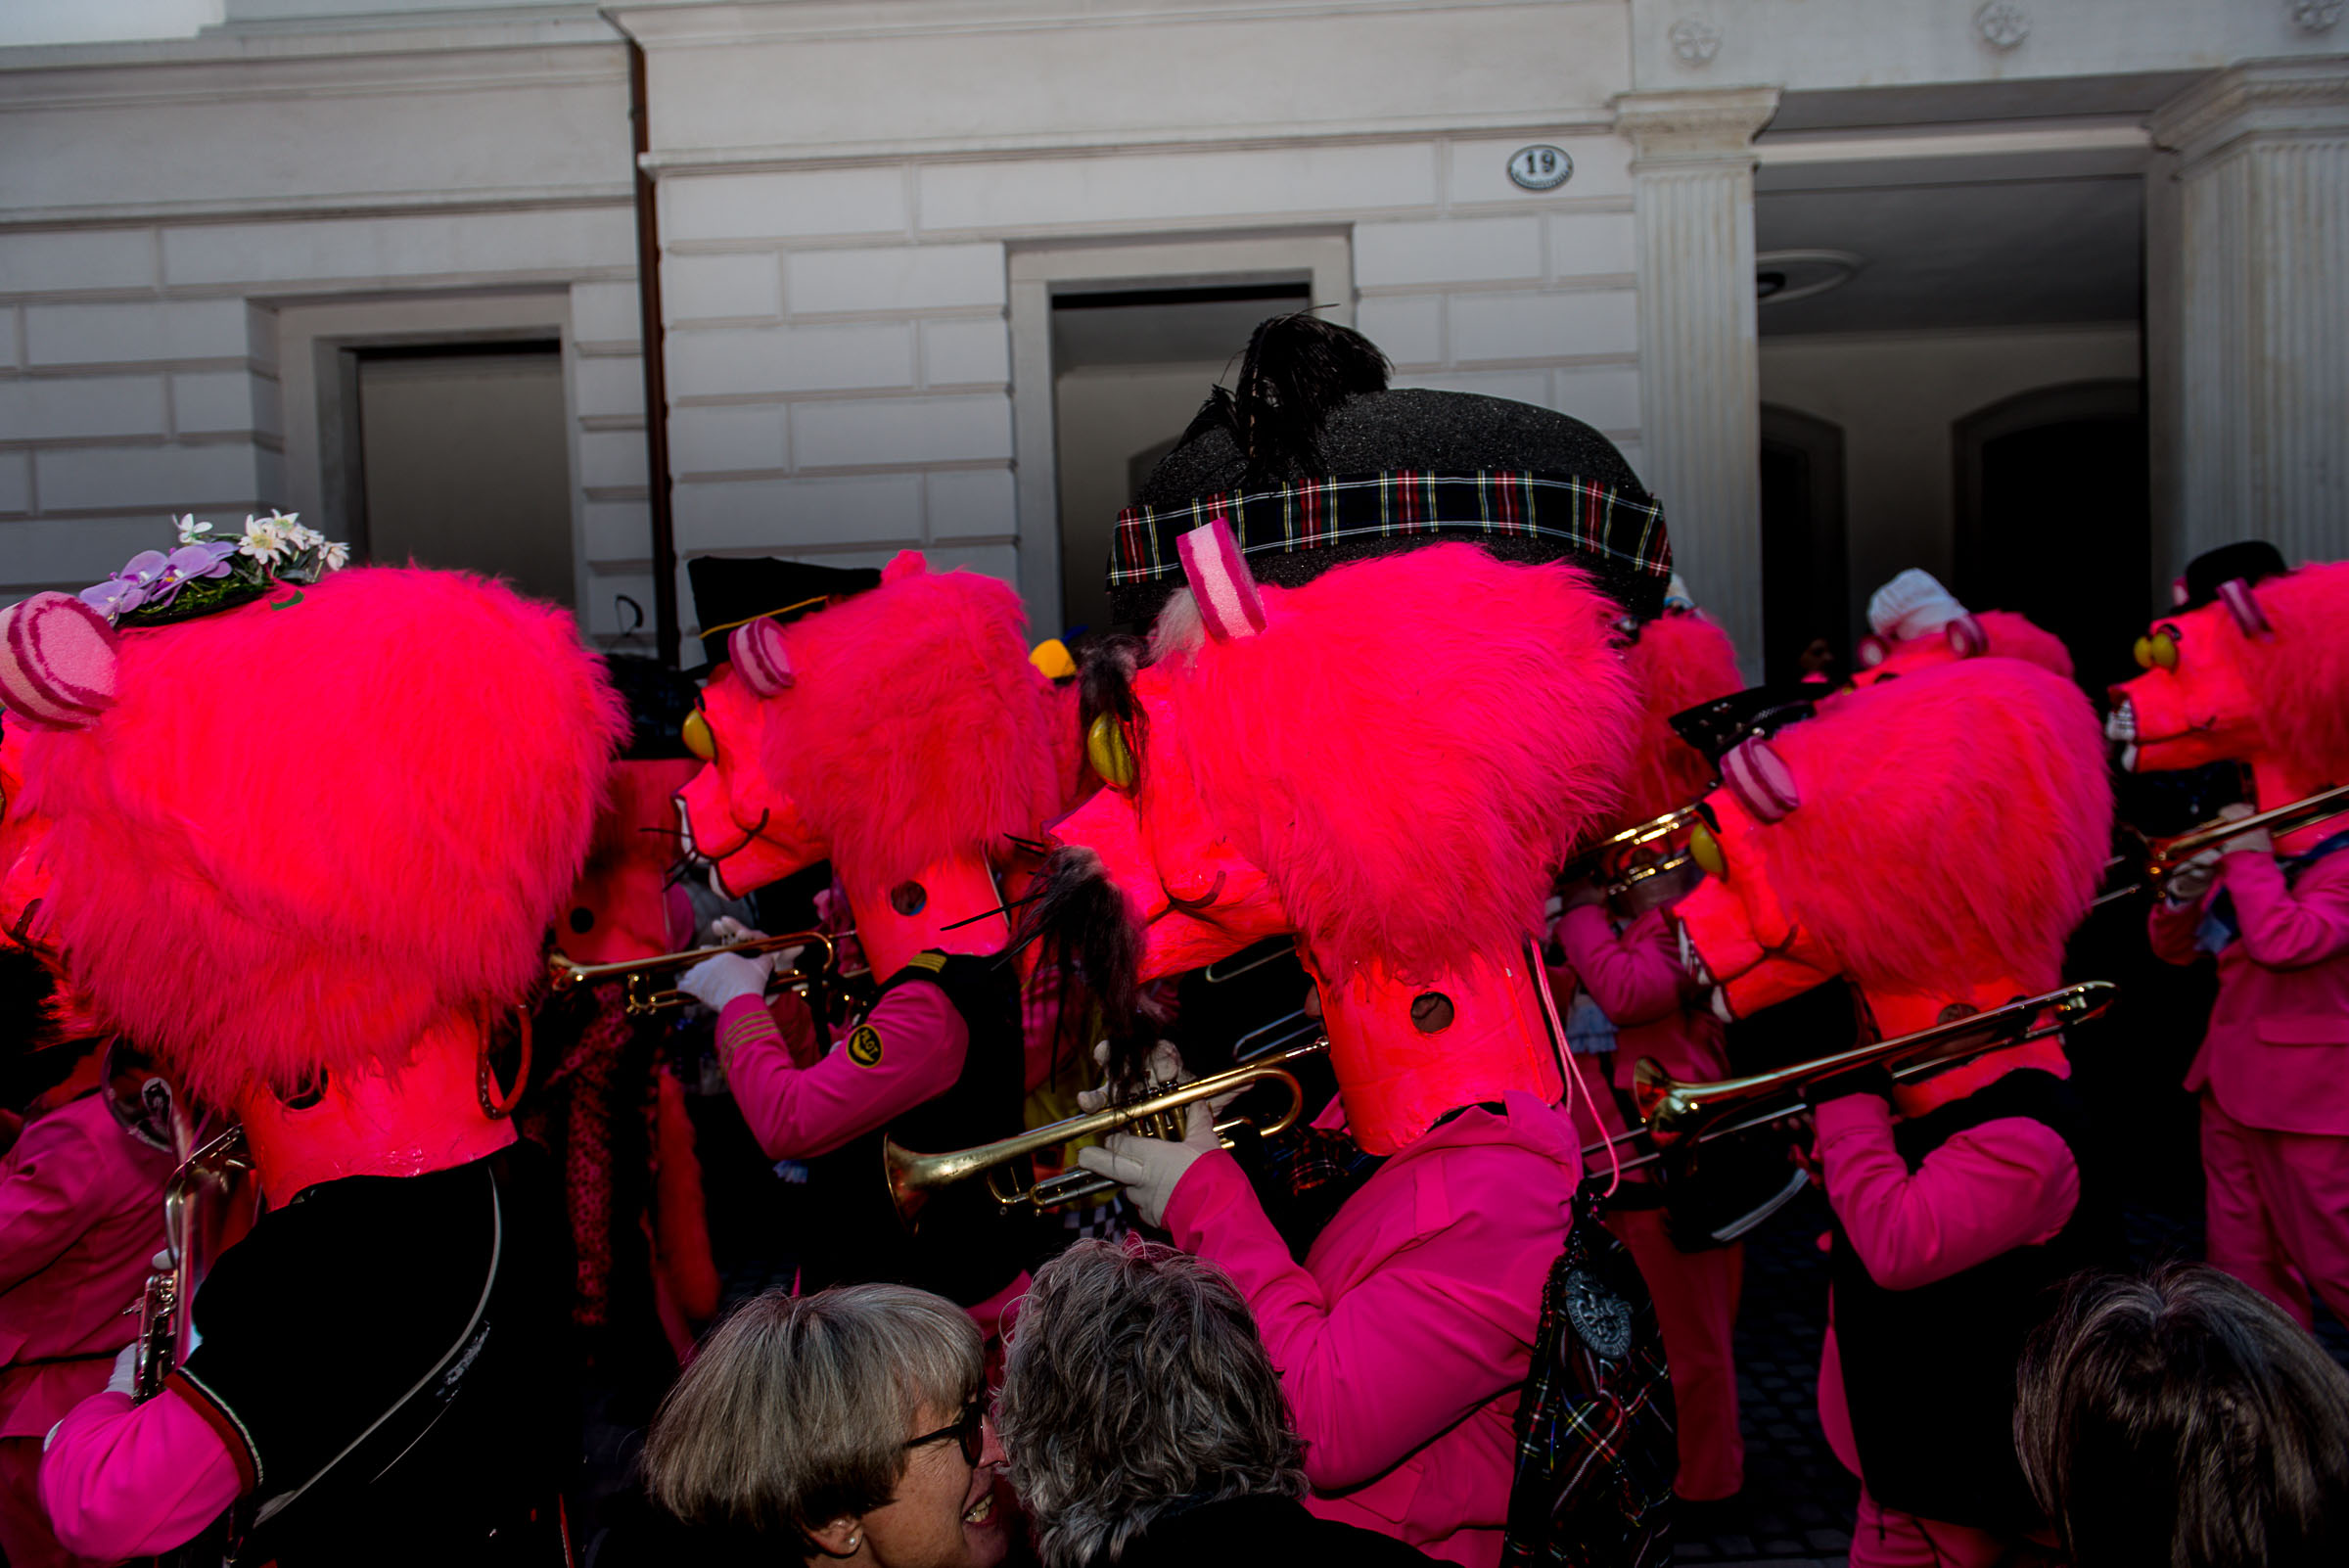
(1541, 167)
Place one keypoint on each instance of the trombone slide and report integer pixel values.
(1671, 1112)
(638, 975)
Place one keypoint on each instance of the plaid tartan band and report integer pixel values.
(1584, 518)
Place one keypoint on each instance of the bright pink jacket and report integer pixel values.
(2276, 1056)
(81, 1215)
(1405, 1338)
(798, 1113)
(2003, 1184)
(1637, 979)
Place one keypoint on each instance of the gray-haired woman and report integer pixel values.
(1144, 1423)
(844, 1427)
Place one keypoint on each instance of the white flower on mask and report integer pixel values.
(191, 531)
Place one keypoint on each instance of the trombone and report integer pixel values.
(2165, 857)
(912, 1176)
(639, 974)
(1672, 1113)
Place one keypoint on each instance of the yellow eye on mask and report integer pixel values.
(696, 737)
(1705, 849)
(2157, 652)
(1105, 748)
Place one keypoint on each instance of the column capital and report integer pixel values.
(1705, 126)
(2279, 98)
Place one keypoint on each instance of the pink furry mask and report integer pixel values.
(292, 835)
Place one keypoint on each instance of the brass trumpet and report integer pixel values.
(913, 1178)
(1671, 1110)
(1612, 858)
(639, 974)
(2165, 857)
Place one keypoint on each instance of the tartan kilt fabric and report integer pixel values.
(1596, 1451)
(1292, 532)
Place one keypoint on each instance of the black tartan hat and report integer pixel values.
(1315, 463)
(728, 592)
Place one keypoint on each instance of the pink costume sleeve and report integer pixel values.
(121, 1480)
(45, 1201)
(2006, 1183)
(1636, 977)
(2171, 928)
(1397, 1360)
(2284, 927)
(797, 1114)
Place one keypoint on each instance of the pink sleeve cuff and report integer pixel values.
(1204, 1189)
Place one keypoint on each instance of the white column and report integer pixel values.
(1699, 382)
(2251, 252)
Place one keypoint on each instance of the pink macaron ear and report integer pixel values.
(1228, 604)
(1760, 779)
(1967, 639)
(56, 661)
(2235, 595)
(755, 649)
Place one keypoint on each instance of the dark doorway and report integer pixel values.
(2053, 521)
(1806, 581)
(455, 455)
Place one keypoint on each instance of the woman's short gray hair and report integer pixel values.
(1135, 1380)
(796, 1410)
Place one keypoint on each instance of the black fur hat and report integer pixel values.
(1316, 462)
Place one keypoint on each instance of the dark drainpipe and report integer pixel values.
(666, 626)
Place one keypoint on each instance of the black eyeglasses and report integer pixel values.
(970, 1430)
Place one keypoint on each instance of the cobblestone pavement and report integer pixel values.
(1797, 1506)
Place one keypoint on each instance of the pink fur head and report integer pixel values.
(2267, 686)
(1680, 659)
(1950, 829)
(1993, 633)
(915, 730)
(1410, 747)
(308, 831)
(2302, 669)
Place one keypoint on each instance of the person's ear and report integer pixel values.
(840, 1537)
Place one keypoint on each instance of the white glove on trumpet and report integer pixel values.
(716, 981)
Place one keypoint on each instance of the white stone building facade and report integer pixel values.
(865, 213)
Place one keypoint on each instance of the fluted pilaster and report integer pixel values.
(2259, 241)
(1699, 379)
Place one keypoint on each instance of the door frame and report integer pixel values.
(1037, 273)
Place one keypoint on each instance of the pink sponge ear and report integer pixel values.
(56, 661)
(757, 650)
(1228, 604)
(1760, 779)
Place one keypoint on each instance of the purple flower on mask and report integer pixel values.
(117, 596)
(145, 567)
(183, 566)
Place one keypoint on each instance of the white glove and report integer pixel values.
(1164, 1067)
(716, 981)
(2191, 880)
(1151, 1168)
(123, 1378)
(2259, 841)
